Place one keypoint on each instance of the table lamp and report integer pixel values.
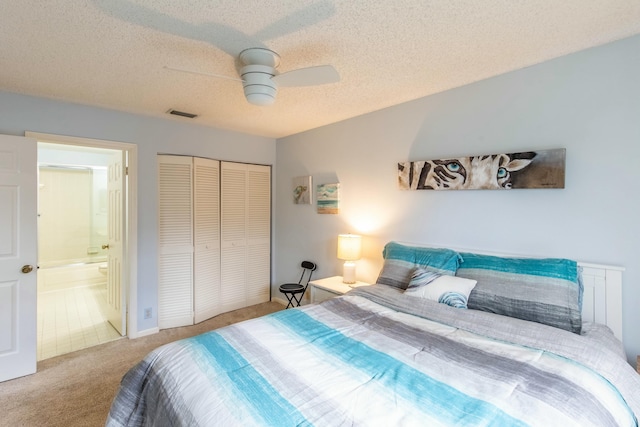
(349, 250)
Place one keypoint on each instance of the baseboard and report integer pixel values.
(279, 301)
(146, 332)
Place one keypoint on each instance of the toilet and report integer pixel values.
(102, 268)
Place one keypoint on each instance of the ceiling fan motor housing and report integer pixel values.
(259, 88)
(259, 67)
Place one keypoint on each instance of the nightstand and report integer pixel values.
(323, 289)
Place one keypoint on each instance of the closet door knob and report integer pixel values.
(105, 246)
(27, 269)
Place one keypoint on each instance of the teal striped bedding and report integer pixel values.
(377, 357)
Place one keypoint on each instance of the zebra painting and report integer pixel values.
(531, 169)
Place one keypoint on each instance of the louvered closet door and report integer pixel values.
(206, 267)
(258, 288)
(233, 261)
(175, 299)
(245, 234)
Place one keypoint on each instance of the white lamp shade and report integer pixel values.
(349, 247)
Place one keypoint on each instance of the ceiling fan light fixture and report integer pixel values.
(259, 88)
(260, 99)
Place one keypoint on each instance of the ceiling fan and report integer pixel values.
(260, 78)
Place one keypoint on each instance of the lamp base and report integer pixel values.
(349, 273)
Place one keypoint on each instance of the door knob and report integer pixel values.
(105, 246)
(27, 269)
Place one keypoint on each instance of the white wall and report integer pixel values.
(19, 113)
(97, 229)
(588, 103)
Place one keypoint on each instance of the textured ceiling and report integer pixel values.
(113, 53)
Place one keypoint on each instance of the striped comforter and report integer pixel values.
(376, 357)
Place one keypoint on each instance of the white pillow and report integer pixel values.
(450, 290)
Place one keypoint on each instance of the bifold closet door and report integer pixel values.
(258, 234)
(189, 273)
(245, 234)
(206, 232)
(175, 210)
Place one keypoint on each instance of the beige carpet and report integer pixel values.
(76, 389)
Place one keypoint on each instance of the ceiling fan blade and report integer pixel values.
(219, 76)
(311, 76)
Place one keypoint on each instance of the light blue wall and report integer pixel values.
(19, 113)
(588, 103)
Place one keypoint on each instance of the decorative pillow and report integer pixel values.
(450, 290)
(400, 260)
(547, 291)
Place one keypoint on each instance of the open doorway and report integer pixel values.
(82, 242)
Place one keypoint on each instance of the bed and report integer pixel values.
(443, 338)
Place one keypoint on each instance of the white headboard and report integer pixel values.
(602, 301)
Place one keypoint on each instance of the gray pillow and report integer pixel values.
(547, 291)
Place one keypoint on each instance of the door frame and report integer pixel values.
(131, 215)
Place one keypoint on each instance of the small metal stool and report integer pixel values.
(292, 290)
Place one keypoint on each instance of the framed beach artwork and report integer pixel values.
(530, 169)
(328, 197)
(302, 190)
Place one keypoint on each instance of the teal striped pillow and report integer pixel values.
(400, 261)
(547, 291)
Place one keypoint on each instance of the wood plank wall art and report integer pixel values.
(530, 169)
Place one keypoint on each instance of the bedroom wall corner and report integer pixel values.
(587, 102)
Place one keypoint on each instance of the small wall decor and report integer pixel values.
(531, 169)
(328, 197)
(302, 190)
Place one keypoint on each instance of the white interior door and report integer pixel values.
(116, 298)
(18, 256)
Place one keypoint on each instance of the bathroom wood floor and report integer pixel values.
(72, 319)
